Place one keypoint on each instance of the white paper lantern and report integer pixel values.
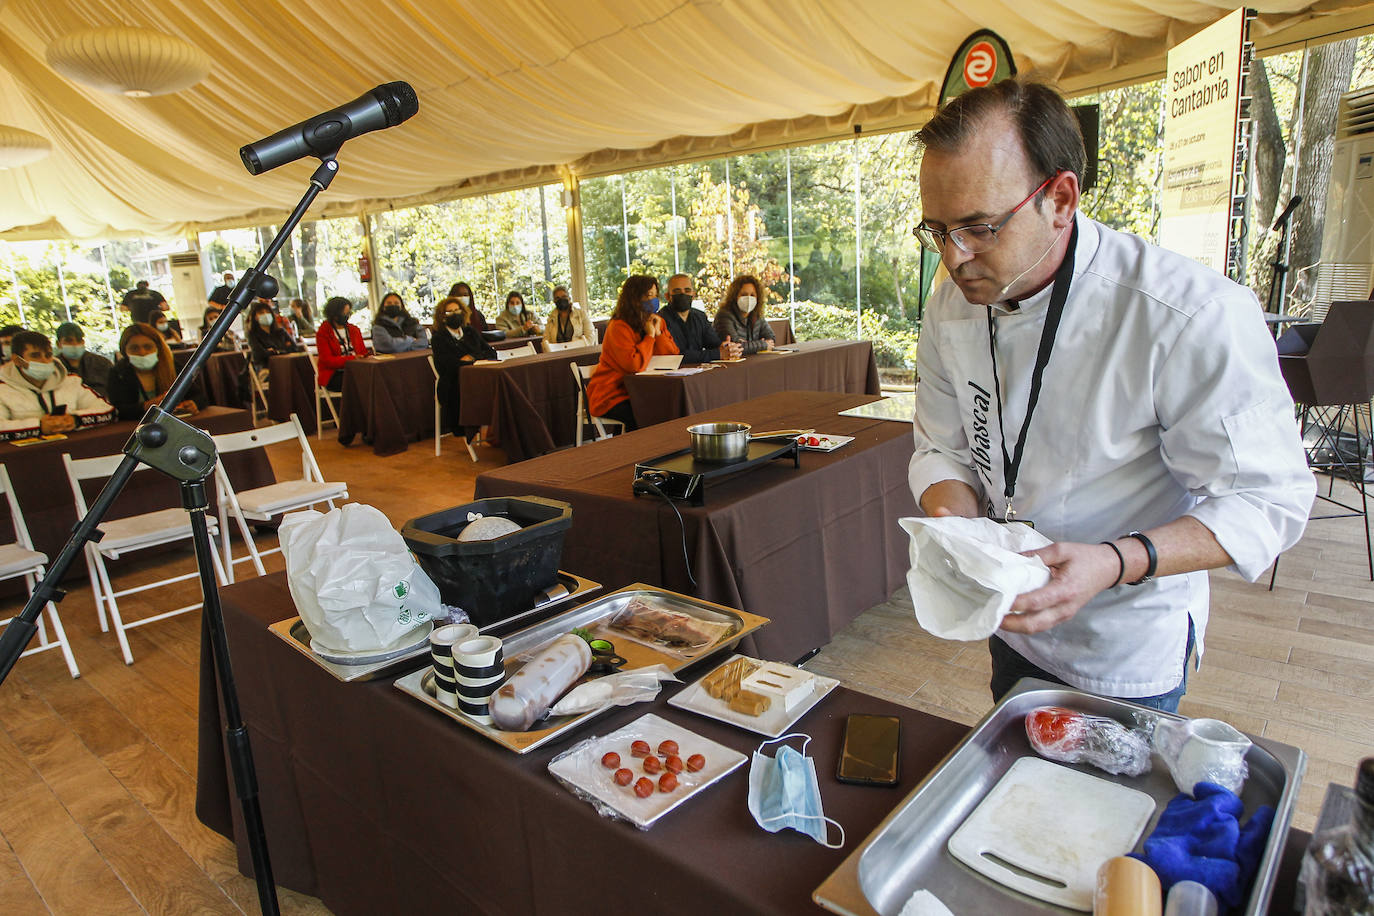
(19, 148)
(135, 62)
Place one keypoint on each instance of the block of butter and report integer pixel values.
(788, 685)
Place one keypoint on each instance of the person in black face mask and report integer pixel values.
(567, 323)
(394, 330)
(456, 344)
(690, 327)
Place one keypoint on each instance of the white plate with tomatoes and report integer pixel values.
(645, 769)
(819, 443)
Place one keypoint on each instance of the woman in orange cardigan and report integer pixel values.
(635, 334)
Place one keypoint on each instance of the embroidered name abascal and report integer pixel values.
(980, 442)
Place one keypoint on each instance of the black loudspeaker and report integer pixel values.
(1088, 116)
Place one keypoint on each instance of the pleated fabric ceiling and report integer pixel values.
(517, 91)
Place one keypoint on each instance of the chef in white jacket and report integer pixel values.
(38, 396)
(1123, 398)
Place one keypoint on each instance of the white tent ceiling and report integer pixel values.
(510, 90)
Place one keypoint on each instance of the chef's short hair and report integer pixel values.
(1048, 129)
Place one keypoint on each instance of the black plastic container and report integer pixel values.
(498, 578)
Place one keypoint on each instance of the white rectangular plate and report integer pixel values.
(773, 723)
(581, 769)
(828, 443)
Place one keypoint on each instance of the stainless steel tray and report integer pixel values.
(292, 630)
(420, 684)
(907, 852)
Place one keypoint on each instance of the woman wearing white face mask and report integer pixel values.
(740, 316)
(92, 368)
(38, 396)
(169, 328)
(515, 319)
(266, 337)
(144, 372)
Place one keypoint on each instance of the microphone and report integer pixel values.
(1287, 212)
(321, 136)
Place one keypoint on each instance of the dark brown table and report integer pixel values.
(224, 376)
(526, 404)
(45, 498)
(810, 548)
(377, 804)
(291, 388)
(388, 400)
(510, 343)
(818, 365)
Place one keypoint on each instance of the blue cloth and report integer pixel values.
(1201, 839)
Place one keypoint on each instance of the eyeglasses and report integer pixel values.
(978, 237)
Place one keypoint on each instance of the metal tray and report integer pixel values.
(292, 630)
(907, 852)
(420, 684)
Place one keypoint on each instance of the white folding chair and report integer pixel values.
(258, 398)
(584, 413)
(439, 419)
(559, 347)
(322, 394)
(127, 534)
(515, 352)
(261, 504)
(20, 559)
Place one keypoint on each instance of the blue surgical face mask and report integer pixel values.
(784, 792)
(144, 361)
(514, 308)
(39, 371)
(73, 353)
(650, 305)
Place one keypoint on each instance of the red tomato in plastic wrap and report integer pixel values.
(624, 777)
(644, 787)
(652, 764)
(610, 760)
(667, 748)
(673, 764)
(1054, 726)
(696, 762)
(639, 749)
(667, 782)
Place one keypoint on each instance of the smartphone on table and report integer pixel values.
(871, 754)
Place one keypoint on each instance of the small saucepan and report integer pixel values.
(723, 442)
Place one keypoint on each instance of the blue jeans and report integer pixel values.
(1009, 666)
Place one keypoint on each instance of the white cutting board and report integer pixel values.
(1054, 822)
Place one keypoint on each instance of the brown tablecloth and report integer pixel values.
(526, 404)
(811, 548)
(223, 376)
(378, 804)
(291, 388)
(819, 365)
(45, 498)
(388, 401)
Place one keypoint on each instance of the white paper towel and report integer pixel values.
(966, 572)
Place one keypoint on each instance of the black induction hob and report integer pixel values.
(678, 475)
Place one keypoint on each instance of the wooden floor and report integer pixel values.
(97, 775)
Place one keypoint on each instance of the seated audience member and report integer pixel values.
(740, 316)
(6, 335)
(461, 290)
(394, 330)
(169, 328)
(691, 329)
(38, 396)
(267, 338)
(635, 334)
(301, 317)
(144, 372)
(456, 344)
(567, 323)
(141, 300)
(230, 340)
(515, 319)
(337, 342)
(92, 368)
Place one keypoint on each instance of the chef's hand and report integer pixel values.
(950, 497)
(1077, 573)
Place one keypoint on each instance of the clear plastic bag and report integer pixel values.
(623, 689)
(1069, 736)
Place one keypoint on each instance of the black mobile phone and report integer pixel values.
(871, 755)
(59, 411)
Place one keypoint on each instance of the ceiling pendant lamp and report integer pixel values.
(134, 62)
(19, 148)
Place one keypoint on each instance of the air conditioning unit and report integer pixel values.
(188, 288)
(1348, 236)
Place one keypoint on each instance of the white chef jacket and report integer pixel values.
(1162, 398)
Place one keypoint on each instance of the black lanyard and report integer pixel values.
(345, 341)
(50, 404)
(1011, 464)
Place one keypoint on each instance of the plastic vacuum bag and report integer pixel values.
(638, 686)
(1074, 737)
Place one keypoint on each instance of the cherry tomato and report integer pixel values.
(812, 440)
(667, 748)
(667, 782)
(644, 787)
(1052, 725)
(623, 777)
(673, 764)
(639, 749)
(696, 762)
(610, 760)
(652, 764)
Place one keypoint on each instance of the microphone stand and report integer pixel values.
(187, 455)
